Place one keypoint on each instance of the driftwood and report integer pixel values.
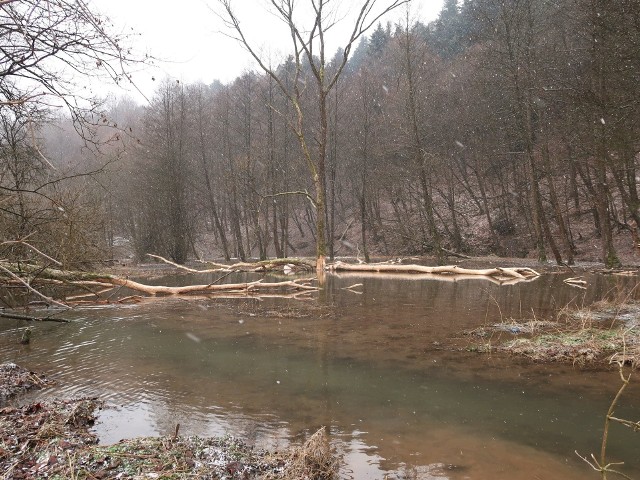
(498, 273)
(260, 266)
(448, 278)
(30, 274)
(577, 282)
(82, 279)
(266, 265)
(256, 286)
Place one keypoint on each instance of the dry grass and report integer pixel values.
(313, 460)
(580, 335)
(578, 345)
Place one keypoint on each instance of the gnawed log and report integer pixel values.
(75, 278)
(260, 266)
(520, 273)
(266, 265)
(450, 278)
(255, 286)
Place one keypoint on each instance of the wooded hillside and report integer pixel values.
(506, 127)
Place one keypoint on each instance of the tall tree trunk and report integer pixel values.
(599, 87)
(419, 153)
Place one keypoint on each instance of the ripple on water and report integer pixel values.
(203, 373)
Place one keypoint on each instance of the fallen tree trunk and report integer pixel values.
(75, 278)
(261, 266)
(267, 265)
(520, 273)
(258, 285)
(452, 278)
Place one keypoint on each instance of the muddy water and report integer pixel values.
(375, 367)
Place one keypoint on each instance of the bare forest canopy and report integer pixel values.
(505, 127)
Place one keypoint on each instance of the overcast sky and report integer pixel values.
(188, 37)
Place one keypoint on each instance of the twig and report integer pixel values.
(71, 467)
(219, 279)
(282, 194)
(627, 423)
(614, 403)
(575, 282)
(97, 294)
(130, 298)
(602, 466)
(7, 474)
(593, 463)
(351, 288)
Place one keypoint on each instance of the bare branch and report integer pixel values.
(284, 194)
(49, 300)
(28, 245)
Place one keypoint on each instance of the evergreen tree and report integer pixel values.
(378, 41)
(455, 30)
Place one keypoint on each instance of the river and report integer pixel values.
(382, 365)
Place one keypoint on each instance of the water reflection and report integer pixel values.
(368, 366)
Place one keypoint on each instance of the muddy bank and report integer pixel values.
(54, 439)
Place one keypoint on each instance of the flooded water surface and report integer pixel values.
(375, 364)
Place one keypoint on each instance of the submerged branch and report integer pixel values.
(29, 318)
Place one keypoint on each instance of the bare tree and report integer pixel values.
(309, 52)
(48, 47)
(49, 51)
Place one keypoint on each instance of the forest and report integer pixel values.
(505, 127)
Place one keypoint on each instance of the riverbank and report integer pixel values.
(55, 440)
(15, 380)
(604, 332)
